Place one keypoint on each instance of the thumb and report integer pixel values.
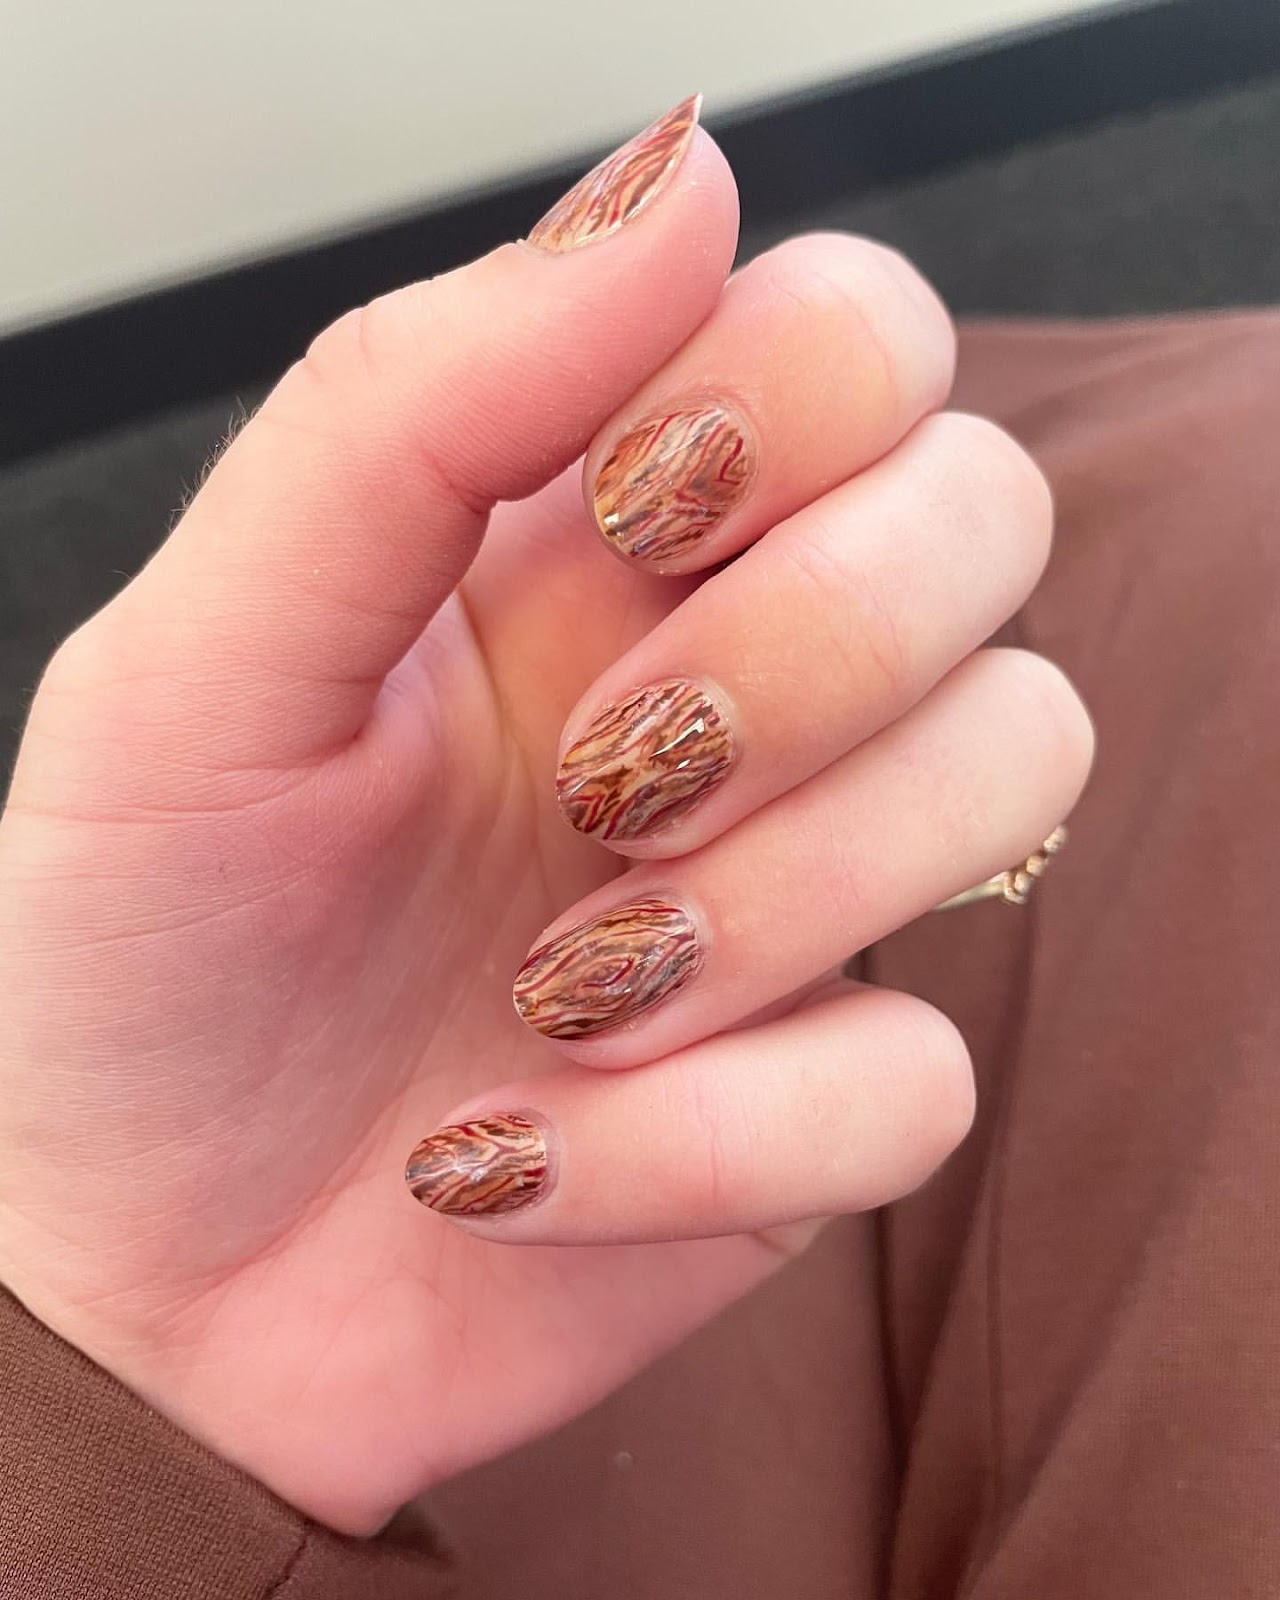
(351, 505)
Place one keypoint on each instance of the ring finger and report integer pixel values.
(971, 779)
(844, 1105)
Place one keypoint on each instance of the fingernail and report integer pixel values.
(645, 762)
(480, 1168)
(671, 479)
(607, 971)
(623, 184)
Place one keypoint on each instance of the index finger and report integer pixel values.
(817, 360)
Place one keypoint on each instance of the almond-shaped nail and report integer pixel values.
(645, 762)
(671, 479)
(607, 971)
(484, 1167)
(622, 185)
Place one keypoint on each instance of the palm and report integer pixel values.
(351, 988)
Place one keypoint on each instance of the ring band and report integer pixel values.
(1015, 884)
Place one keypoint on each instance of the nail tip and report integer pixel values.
(620, 186)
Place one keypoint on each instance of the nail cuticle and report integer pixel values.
(644, 762)
(604, 973)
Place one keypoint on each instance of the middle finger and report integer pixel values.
(819, 357)
(831, 626)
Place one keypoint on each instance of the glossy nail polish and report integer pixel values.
(622, 185)
(608, 971)
(645, 762)
(485, 1167)
(671, 479)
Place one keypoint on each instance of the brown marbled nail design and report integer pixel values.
(644, 762)
(480, 1168)
(607, 971)
(621, 185)
(671, 479)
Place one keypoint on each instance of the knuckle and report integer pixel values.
(920, 302)
(364, 349)
(849, 266)
(337, 357)
(953, 1097)
(360, 340)
(935, 1059)
(994, 462)
(788, 1241)
(838, 264)
(902, 269)
(337, 343)
(868, 296)
(860, 637)
(364, 375)
(997, 491)
(1043, 705)
(826, 278)
(77, 666)
(715, 1185)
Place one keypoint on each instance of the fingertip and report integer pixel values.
(713, 191)
(626, 205)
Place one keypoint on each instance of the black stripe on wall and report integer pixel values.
(232, 329)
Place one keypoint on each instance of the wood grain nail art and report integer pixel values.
(645, 762)
(609, 970)
(480, 1168)
(622, 185)
(671, 479)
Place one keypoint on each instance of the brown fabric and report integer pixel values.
(1086, 1306)
(1081, 1313)
(1055, 1371)
(102, 1499)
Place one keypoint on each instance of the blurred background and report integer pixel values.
(189, 193)
(142, 140)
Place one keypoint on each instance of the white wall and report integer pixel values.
(142, 139)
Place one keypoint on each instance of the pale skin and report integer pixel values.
(283, 828)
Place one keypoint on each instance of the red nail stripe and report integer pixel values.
(607, 971)
(613, 192)
(670, 479)
(485, 1167)
(644, 762)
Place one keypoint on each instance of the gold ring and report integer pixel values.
(1015, 884)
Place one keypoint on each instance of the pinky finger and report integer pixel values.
(844, 1105)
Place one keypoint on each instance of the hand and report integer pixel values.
(285, 823)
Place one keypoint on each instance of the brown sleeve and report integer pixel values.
(102, 1499)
